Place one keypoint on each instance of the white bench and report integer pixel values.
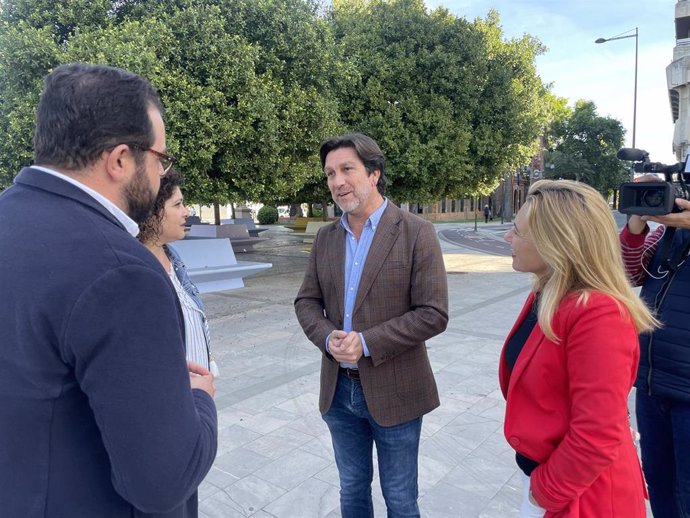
(237, 234)
(311, 230)
(212, 266)
(253, 230)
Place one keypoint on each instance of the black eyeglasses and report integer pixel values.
(166, 160)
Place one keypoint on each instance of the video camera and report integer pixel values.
(652, 198)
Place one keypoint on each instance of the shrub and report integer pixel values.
(268, 215)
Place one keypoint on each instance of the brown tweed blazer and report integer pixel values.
(402, 301)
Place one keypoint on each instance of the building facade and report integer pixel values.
(678, 81)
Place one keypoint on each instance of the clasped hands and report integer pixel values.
(345, 347)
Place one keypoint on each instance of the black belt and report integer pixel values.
(353, 374)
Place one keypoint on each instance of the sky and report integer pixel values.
(603, 73)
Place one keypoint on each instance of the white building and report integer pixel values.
(678, 81)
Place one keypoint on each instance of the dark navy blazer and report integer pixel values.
(97, 417)
(665, 353)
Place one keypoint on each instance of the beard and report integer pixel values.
(357, 198)
(139, 196)
(347, 207)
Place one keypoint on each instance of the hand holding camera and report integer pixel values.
(649, 195)
(680, 219)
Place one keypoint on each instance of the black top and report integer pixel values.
(519, 338)
(513, 349)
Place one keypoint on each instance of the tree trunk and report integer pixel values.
(216, 213)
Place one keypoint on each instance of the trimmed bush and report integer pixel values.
(267, 215)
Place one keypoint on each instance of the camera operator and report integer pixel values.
(656, 260)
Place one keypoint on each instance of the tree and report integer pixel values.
(297, 47)
(246, 84)
(514, 106)
(584, 147)
(450, 102)
(26, 53)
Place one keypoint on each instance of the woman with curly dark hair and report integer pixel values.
(164, 225)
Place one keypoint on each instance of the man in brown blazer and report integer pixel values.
(374, 291)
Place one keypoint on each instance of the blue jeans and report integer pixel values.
(354, 432)
(665, 442)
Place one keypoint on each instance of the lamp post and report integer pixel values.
(636, 36)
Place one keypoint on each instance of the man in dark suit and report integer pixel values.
(374, 291)
(101, 415)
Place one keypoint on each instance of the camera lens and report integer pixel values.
(652, 197)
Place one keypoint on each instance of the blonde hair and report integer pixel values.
(576, 236)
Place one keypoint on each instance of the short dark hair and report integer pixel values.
(87, 109)
(150, 229)
(367, 150)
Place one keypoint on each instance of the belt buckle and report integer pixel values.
(352, 374)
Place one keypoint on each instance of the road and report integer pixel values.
(488, 238)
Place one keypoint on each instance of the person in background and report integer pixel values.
(487, 213)
(166, 224)
(375, 289)
(657, 261)
(100, 414)
(568, 364)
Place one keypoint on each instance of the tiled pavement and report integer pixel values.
(275, 458)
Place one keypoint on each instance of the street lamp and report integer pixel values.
(636, 36)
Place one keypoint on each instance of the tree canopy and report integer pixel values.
(245, 84)
(251, 88)
(452, 104)
(584, 147)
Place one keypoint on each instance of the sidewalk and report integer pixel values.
(275, 458)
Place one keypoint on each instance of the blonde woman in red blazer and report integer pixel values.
(569, 362)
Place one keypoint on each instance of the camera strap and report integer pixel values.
(672, 263)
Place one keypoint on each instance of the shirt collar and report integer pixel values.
(372, 220)
(127, 222)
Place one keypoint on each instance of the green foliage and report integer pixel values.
(584, 147)
(245, 83)
(63, 17)
(451, 103)
(25, 54)
(252, 87)
(297, 55)
(267, 215)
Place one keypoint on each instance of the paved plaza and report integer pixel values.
(275, 458)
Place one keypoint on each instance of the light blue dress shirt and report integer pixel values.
(356, 252)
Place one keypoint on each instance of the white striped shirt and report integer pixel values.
(195, 325)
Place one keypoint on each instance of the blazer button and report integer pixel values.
(514, 441)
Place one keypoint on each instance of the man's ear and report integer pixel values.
(119, 162)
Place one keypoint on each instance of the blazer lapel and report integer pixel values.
(385, 237)
(336, 260)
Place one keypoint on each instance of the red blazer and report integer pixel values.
(566, 408)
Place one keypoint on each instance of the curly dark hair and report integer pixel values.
(150, 229)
